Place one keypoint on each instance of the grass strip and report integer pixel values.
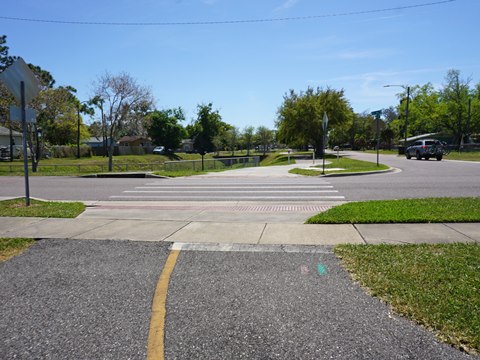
(428, 210)
(346, 165)
(437, 286)
(37, 208)
(9, 247)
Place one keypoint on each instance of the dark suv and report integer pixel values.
(426, 149)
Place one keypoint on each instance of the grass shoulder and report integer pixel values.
(427, 210)
(37, 208)
(10, 247)
(339, 166)
(433, 285)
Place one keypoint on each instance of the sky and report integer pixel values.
(245, 68)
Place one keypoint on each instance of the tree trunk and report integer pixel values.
(110, 156)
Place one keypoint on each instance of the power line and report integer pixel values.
(222, 22)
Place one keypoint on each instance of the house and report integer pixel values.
(5, 137)
(186, 146)
(95, 142)
(134, 141)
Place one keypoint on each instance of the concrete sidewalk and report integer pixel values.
(238, 232)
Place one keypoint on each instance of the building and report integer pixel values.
(5, 137)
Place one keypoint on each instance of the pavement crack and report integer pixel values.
(261, 235)
(359, 233)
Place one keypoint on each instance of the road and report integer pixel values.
(414, 179)
(83, 299)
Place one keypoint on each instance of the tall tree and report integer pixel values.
(455, 95)
(120, 94)
(264, 138)
(207, 125)
(300, 116)
(248, 134)
(165, 129)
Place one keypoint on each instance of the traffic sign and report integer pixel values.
(325, 121)
(16, 114)
(14, 75)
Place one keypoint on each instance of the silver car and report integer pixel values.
(426, 149)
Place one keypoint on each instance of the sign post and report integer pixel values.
(324, 124)
(377, 115)
(24, 86)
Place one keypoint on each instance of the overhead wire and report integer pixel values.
(223, 22)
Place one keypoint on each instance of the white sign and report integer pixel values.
(16, 114)
(14, 75)
(325, 121)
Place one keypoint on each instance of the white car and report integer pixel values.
(159, 150)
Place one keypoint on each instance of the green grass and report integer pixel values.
(275, 158)
(348, 165)
(9, 247)
(428, 210)
(468, 156)
(47, 209)
(438, 286)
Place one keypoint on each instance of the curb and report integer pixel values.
(392, 169)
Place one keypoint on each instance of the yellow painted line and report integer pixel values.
(156, 335)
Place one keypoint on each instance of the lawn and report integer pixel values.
(37, 208)
(346, 164)
(9, 247)
(428, 210)
(437, 286)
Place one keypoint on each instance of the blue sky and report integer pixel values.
(244, 69)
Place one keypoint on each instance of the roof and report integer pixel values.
(6, 131)
(418, 137)
(132, 138)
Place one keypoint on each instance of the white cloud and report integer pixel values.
(287, 4)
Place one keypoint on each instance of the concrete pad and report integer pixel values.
(135, 230)
(302, 234)
(138, 214)
(472, 230)
(57, 228)
(253, 217)
(410, 234)
(9, 225)
(222, 233)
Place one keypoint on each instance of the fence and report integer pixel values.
(195, 165)
(212, 164)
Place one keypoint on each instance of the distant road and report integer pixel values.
(414, 179)
(417, 178)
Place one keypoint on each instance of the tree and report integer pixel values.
(164, 127)
(264, 138)
(248, 134)
(120, 94)
(207, 125)
(232, 138)
(455, 95)
(300, 116)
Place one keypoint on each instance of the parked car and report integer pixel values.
(426, 149)
(160, 150)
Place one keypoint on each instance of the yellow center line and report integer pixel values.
(156, 335)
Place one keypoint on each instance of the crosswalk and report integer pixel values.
(232, 190)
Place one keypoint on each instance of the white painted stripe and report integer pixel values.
(229, 191)
(293, 187)
(293, 197)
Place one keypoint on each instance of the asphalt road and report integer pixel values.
(416, 179)
(67, 299)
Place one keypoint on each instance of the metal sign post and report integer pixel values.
(377, 115)
(24, 86)
(324, 124)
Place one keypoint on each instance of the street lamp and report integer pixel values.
(406, 111)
